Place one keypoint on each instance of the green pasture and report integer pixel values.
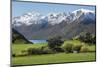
(53, 58)
(50, 58)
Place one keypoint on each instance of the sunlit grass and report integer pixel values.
(53, 58)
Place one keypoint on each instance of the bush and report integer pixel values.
(46, 50)
(58, 49)
(84, 49)
(38, 51)
(76, 47)
(54, 42)
(31, 51)
(67, 47)
(87, 37)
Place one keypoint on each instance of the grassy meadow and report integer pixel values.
(50, 58)
(17, 48)
(53, 58)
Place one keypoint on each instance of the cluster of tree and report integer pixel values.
(87, 38)
(54, 46)
(55, 43)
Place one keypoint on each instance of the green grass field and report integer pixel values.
(17, 48)
(50, 58)
(53, 58)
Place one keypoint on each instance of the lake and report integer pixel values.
(38, 41)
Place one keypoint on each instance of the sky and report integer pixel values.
(20, 8)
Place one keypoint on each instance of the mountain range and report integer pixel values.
(34, 25)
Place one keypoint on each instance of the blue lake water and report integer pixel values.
(38, 41)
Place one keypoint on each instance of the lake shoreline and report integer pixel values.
(38, 41)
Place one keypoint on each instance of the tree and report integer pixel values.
(55, 43)
(87, 37)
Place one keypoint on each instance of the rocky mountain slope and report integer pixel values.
(33, 25)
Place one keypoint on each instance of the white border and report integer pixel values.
(89, 2)
(5, 33)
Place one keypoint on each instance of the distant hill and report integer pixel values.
(18, 38)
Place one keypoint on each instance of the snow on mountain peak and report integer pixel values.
(83, 11)
(26, 19)
(52, 18)
(56, 18)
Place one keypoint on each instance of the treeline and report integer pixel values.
(57, 45)
(86, 37)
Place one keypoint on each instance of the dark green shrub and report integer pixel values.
(24, 53)
(58, 49)
(54, 43)
(87, 37)
(46, 50)
(67, 47)
(31, 51)
(38, 51)
(76, 47)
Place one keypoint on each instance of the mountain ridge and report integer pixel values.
(52, 18)
(59, 24)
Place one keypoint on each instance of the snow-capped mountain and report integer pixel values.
(27, 19)
(56, 18)
(52, 18)
(83, 13)
(36, 18)
(33, 25)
